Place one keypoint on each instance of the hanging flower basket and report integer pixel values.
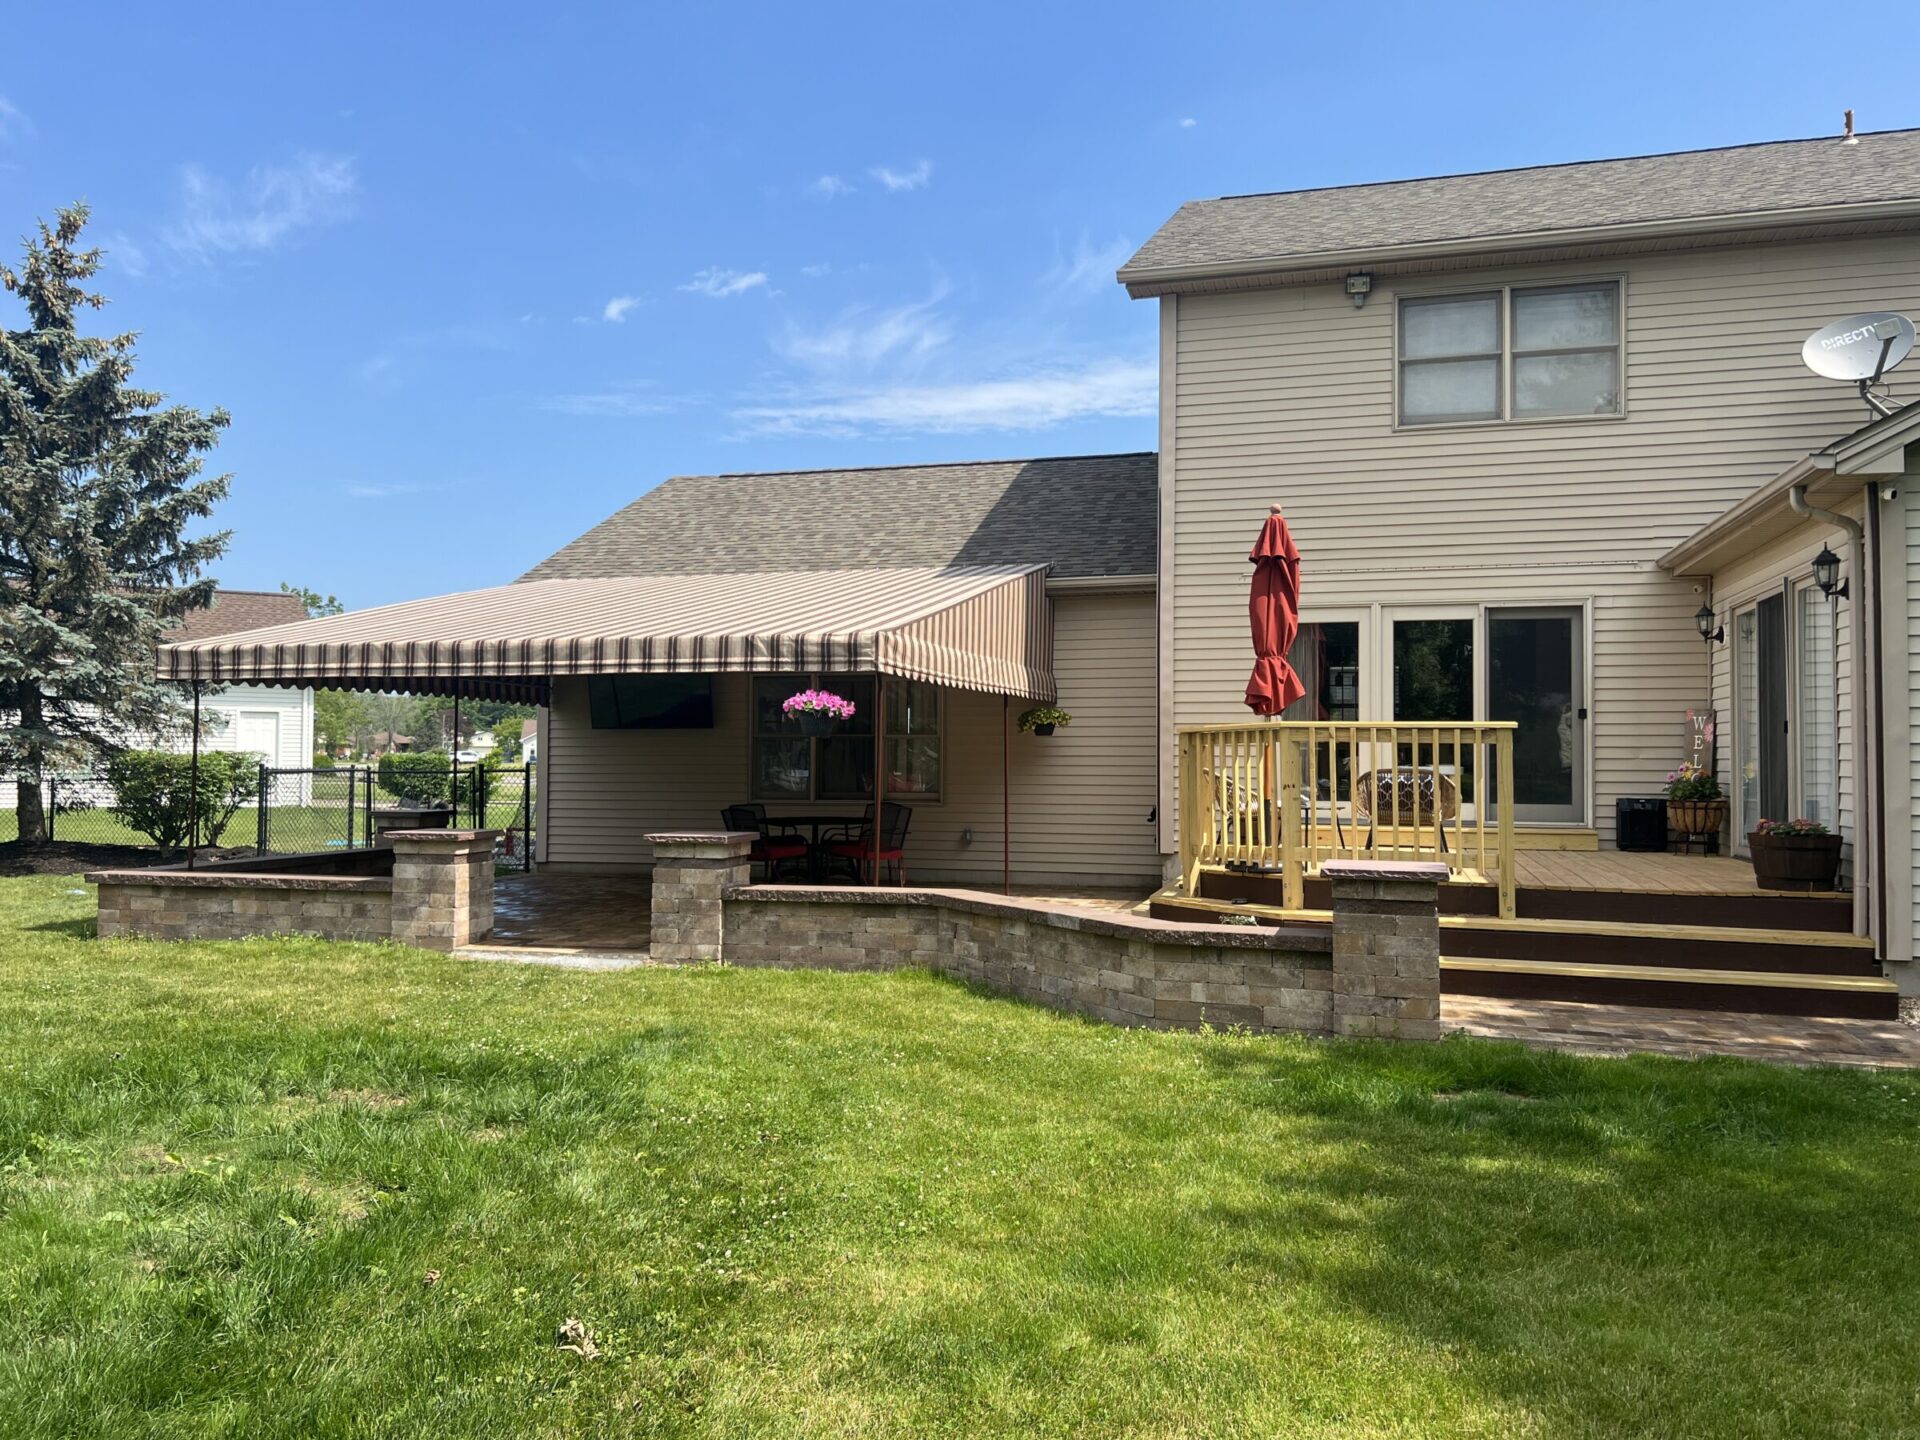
(1042, 719)
(817, 711)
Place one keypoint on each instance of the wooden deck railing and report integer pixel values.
(1285, 795)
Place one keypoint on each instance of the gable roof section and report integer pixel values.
(1084, 515)
(1693, 190)
(234, 610)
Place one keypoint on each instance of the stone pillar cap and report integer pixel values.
(441, 837)
(702, 837)
(1430, 870)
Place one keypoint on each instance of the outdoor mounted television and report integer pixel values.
(650, 702)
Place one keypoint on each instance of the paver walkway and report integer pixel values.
(1625, 1030)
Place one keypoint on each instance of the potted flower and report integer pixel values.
(1794, 855)
(1695, 804)
(1042, 718)
(817, 710)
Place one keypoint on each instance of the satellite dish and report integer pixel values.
(1860, 347)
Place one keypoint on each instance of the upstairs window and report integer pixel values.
(1534, 353)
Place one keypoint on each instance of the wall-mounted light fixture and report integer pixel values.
(1357, 287)
(1703, 622)
(1826, 574)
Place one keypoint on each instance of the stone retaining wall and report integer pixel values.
(211, 905)
(1118, 969)
(1376, 972)
(438, 896)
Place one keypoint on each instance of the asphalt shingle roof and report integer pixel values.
(236, 610)
(1694, 185)
(1085, 515)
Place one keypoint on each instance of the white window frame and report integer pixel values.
(1505, 292)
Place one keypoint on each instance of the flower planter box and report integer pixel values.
(1795, 862)
(815, 724)
(1697, 817)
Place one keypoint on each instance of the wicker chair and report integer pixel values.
(1408, 795)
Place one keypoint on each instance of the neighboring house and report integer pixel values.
(530, 740)
(387, 742)
(272, 721)
(1524, 425)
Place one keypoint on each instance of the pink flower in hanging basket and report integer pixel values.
(818, 702)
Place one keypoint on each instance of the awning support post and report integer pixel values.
(1006, 804)
(193, 781)
(879, 768)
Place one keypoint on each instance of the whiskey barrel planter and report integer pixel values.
(1794, 862)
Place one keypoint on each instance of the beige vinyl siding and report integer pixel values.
(1080, 799)
(1288, 395)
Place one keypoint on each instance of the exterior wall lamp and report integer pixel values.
(1358, 287)
(1703, 622)
(1826, 574)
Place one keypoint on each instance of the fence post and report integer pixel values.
(353, 794)
(53, 802)
(368, 822)
(260, 826)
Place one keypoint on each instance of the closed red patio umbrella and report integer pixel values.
(1274, 612)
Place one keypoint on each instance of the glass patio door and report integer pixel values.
(1535, 678)
(1431, 675)
(1760, 709)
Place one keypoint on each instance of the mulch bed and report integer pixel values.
(63, 857)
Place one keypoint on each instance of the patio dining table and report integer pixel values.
(815, 822)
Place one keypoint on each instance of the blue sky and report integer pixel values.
(471, 277)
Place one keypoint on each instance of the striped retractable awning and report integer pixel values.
(974, 627)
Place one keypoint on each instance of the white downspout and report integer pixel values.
(1865, 787)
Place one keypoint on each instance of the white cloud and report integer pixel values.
(719, 284)
(814, 272)
(1188, 123)
(1090, 268)
(1036, 401)
(632, 399)
(916, 178)
(863, 336)
(616, 309)
(377, 490)
(830, 187)
(124, 255)
(14, 124)
(272, 203)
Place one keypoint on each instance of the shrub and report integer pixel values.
(153, 793)
(323, 761)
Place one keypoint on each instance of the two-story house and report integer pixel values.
(1526, 426)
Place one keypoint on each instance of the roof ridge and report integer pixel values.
(1558, 165)
(907, 465)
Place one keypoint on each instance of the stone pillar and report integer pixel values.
(442, 886)
(692, 872)
(1386, 947)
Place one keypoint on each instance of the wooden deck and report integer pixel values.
(1640, 873)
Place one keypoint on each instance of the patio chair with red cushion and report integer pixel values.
(774, 847)
(864, 858)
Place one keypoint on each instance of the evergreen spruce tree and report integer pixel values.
(99, 482)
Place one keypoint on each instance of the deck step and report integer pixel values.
(1766, 992)
(1687, 947)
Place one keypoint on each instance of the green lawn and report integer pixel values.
(812, 1204)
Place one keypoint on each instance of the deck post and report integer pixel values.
(1503, 752)
(1292, 856)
